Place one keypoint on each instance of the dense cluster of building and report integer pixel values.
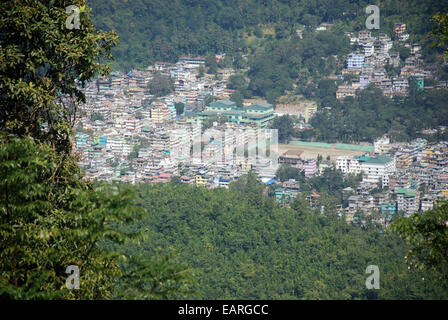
(124, 133)
(259, 114)
(395, 178)
(399, 178)
(373, 55)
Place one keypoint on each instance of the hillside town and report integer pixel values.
(398, 177)
(223, 150)
(377, 62)
(125, 133)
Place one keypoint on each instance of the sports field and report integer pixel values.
(312, 150)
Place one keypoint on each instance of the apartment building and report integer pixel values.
(399, 28)
(310, 167)
(355, 60)
(407, 201)
(160, 113)
(382, 145)
(345, 91)
(375, 169)
(368, 49)
(309, 112)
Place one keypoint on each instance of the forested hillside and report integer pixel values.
(241, 245)
(261, 43)
(371, 115)
(231, 243)
(152, 30)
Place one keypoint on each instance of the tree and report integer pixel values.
(179, 107)
(43, 65)
(51, 217)
(285, 127)
(176, 180)
(286, 172)
(211, 64)
(310, 20)
(240, 244)
(167, 280)
(427, 235)
(440, 31)
(237, 82)
(160, 85)
(258, 32)
(134, 152)
(201, 72)
(238, 98)
(402, 51)
(209, 99)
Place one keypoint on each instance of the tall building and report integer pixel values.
(399, 28)
(382, 145)
(310, 167)
(355, 60)
(368, 49)
(407, 201)
(309, 112)
(375, 169)
(160, 113)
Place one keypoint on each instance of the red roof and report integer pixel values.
(165, 175)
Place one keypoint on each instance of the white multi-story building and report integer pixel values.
(368, 49)
(378, 169)
(310, 167)
(407, 201)
(127, 148)
(132, 124)
(382, 145)
(160, 113)
(400, 84)
(355, 60)
(364, 35)
(427, 203)
(115, 144)
(146, 113)
(375, 169)
(348, 164)
(364, 80)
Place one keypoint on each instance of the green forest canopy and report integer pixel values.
(242, 245)
(159, 30)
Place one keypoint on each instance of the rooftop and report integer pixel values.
(406, 192)
(382, 159)
(221, 103)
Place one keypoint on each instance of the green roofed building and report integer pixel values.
(221, 106)
(374, 169)
(377, 169)
(363, 158)
(407, 200)
(257, 114)
(382, 159)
